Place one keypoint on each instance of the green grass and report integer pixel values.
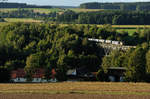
(130, 31)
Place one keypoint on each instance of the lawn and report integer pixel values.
(102, 88)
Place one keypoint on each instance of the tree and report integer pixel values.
(148, 62)
(61, 69)
(136, 70)
(33, 62)
(106, 62)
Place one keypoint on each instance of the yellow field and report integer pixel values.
(21, 20)
(85, 10)
(79, 88)
(7, 9)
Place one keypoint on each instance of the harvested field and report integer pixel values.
(70, 96)
(79, 88)
(75, 90)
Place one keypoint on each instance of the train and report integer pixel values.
(106, 41)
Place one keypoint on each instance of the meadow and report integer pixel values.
(28, 20)
(78, 10)
(39, 10)
(46, 10)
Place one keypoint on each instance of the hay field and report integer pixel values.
(85, 10)
(101, 88)
(22, 20)
(39, 10)
(8, 9)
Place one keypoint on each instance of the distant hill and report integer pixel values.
(20, 5)
(117, 6)
(65, 7)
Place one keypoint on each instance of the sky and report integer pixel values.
(68, 2)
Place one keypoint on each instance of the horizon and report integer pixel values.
(68, 3)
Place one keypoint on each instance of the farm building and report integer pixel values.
(80, 74)
(116, 74)
(19, 75)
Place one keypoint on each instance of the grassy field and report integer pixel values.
(7, 9)
(44, 10)
(21, 20)
(102, 88)
(85, 10)
(40, 10)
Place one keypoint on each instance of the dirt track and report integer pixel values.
(70, 96)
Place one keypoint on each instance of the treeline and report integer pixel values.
(117, 6)
(32, 46)
(20, 5)
(100, 17)
(23, 13)
(106, 17)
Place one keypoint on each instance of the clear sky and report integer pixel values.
(68, 2)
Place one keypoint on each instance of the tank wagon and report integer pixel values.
(106, 41)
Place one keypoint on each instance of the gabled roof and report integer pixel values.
(71, 72)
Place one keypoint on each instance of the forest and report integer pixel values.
(20, 5)
(117, 6)
(106, 17)
(70, 17)
(51, 46)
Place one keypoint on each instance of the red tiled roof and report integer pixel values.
(19, 73)
(14, 74)
(53, 73)
(39, 73)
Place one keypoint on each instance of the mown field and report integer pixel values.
(44, 10)
(75, 90)
(79, 88)
(85, 10)
(40, 10)
(22, 20)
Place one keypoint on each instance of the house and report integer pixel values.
(80, 74)
(38, 76)
(72, 75)
(19, 76)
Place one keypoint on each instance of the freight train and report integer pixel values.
(106, 41)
